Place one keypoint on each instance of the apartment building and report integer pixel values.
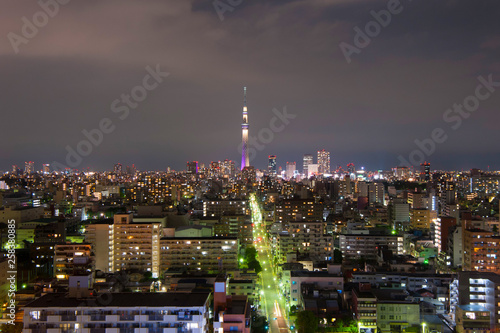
(356, 246)
(293, 280)
(72, 259)
(121, 312)
(438, 284)
(472, 294)
(225, 207)
(421, 218)
(480, 251)
(199, 253)
(101, 237)
(126, 245)
(364, 307)
(290, 210)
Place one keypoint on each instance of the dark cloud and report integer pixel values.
(287, 53)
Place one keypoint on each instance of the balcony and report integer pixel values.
(155, 317)
(83, 318)
(127, 317)
(112, 318)
(97, 317)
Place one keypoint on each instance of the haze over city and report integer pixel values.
(369, 110)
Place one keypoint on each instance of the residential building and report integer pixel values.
(481, 251)
(122, 312)
(212, 208)
(72, 259)
(231, 312)
(472, 294)
(356, 246)
(126, 244)
(199, 254)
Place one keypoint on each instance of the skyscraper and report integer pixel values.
(46, 169)
(290, 169)
(323, 161)
(29, 167)
(118, 168)
(244, 133)
(308, 159)
(425, 171)
(351, 169)
(272, 165)
(192, 167)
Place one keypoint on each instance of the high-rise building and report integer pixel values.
(425, 171)
(244, 133)
(29, 167)
(126, 245)
(227, 168)
(323, 161)
(46, 169)
(290, 169)
(118, 168)
(272, 168)
(351, 169)
(192, 167)
(401, 172)
(308, 159)
(479, 251)
(376, 193)
(131, 169)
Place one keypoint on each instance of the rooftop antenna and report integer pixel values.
(244, 96)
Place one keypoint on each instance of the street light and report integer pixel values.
(423, 327)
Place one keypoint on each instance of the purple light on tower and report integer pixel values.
(244, 133)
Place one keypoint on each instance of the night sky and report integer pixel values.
(395, 90)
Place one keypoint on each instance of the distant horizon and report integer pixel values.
(38, 167)
(161, 83)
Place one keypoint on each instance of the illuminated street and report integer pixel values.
(272, 303)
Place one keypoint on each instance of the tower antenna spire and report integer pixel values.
(244, 96)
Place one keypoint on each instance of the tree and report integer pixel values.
(307, 322)
(259, 324)
(250, 253)
(345, 324)
(337, 256)
(254, 264)
(8, 328)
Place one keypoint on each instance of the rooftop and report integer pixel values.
(61, 300)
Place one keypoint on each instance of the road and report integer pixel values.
(272, 302)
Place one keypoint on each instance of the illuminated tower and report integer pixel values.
(272, 165)
(244, 133)
(323, 161)
(308, 159)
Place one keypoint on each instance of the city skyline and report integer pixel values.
(369, 111)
